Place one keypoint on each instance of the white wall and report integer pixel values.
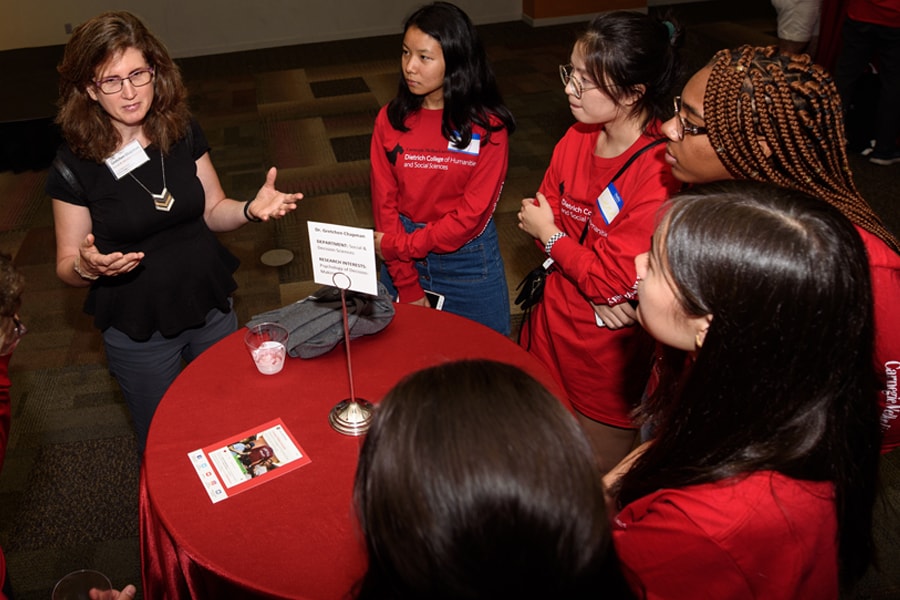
(198, 27)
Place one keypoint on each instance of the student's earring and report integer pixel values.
(702, 324)
(701, 333)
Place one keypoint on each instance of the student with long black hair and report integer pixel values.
(439, 160)
(475, 482)
(759, 479)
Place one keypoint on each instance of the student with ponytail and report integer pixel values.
(594, 212)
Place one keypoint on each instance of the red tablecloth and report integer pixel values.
(294, 536)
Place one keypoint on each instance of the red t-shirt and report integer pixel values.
(603, 372)
(760, 536)
(421, 175)
(884, 265)
(880, 12)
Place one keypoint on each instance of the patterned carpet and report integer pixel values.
(68, 491)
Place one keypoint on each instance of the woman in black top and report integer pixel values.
(136, 200)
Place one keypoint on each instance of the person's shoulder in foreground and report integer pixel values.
(722, 534)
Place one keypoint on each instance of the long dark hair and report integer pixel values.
(471, 95)
(784, 379)
(86, 127)
(626, 51)
(475, 482)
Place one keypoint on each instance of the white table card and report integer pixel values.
(343, 257)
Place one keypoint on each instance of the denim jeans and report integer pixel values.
(472, 279)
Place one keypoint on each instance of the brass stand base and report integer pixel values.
(351, 418)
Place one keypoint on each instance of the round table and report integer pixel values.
(294, 536)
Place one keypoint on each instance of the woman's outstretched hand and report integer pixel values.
(93, 262)
(270, 203)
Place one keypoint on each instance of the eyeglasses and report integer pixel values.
(114, 85)
(11, 341)
(685, 126)
(567, 74)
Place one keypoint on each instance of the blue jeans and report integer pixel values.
(145, 370)
(472, 279)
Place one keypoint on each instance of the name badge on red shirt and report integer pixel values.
(473, 148)
(609, 203)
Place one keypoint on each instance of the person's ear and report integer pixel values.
(635, 95)
(91, 92)
(702, 329)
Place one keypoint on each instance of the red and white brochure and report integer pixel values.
(247, 459)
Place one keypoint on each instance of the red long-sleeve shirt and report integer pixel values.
(603, 371)
(419, 174)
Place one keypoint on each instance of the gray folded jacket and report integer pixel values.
(315, 324)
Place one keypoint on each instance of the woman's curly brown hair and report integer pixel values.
(86, 127)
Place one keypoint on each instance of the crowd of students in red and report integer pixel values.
(730, 349)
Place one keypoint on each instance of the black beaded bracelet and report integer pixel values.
(247, 214)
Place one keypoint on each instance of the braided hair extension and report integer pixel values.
(793, 105)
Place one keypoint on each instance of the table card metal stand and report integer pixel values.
(351, 416)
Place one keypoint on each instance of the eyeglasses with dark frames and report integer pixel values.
(114, 85)
(685, 126)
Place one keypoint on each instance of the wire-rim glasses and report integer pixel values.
(567, 74)
(685, 126)
(114, 85)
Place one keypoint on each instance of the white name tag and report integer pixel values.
(609, 203)
(473, 148)
(127, 159)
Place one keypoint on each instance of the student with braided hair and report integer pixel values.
(753, 113)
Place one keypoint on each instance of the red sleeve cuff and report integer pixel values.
(389, 247)
(410, 292)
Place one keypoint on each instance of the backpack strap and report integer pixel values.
(190, 138)
(618, 174)
(634, 157)
(63, 169)
(72, 180)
